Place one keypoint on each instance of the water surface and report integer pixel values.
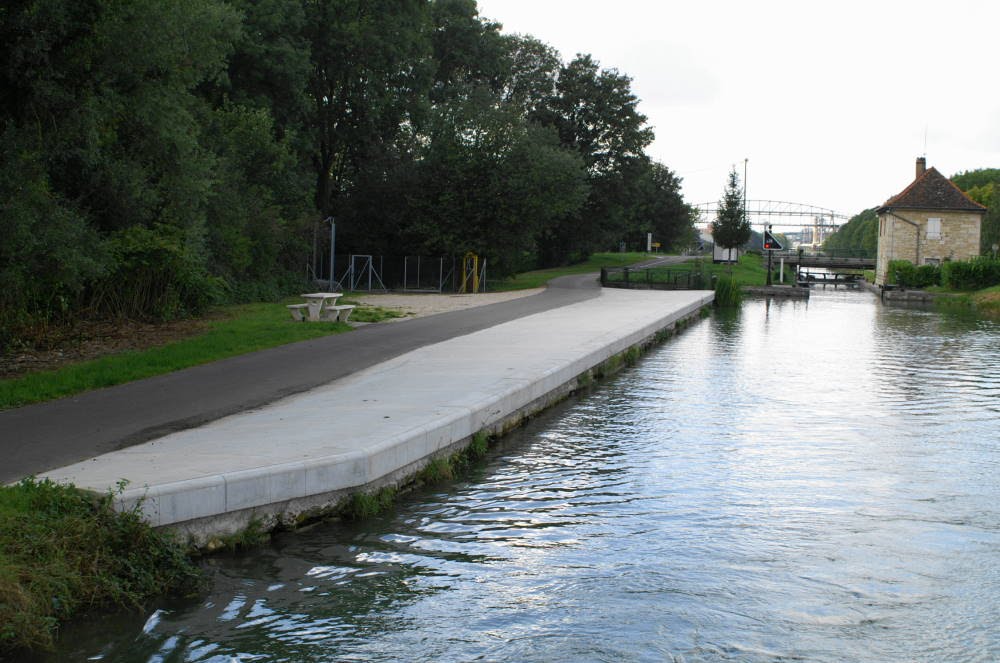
(796, 481)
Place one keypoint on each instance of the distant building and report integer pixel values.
(929, 222)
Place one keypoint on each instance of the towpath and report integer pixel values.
(41, 437)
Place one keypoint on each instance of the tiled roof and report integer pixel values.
(933, 191)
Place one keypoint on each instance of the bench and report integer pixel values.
(298, 311)
(339, 312)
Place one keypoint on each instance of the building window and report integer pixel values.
(932, 261)
(934, 228)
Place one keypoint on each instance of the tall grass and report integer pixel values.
(728, 292)
(64, 551)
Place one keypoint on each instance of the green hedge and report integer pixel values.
(974, 274)
(907, 275)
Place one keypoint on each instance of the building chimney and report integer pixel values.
(921, 166)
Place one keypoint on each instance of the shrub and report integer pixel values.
(156, 274)
(905, 274)
(974, 274)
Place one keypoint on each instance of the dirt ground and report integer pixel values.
(86, 340)
(416, 305)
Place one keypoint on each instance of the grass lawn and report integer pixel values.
(750, 270)
(539, 277)
(243, 328)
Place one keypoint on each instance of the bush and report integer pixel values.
(906, 275)
(156, 275)
(974, 274)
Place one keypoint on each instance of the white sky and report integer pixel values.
(830, 102)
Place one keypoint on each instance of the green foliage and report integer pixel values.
(479, 446)
(154, 273)
(974, 274)
(438, 470)
(970, 179)
(732, 227)
(906, 275)
(859, 235)
(152, 181)
(727, 292)
(982, 186)
(362, 505)
(64, 551)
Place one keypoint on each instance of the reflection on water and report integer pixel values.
(794, 481)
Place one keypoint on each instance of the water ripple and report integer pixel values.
(791, 482)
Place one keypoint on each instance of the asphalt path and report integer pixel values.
(44, 436)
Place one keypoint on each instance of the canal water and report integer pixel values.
(793, 481)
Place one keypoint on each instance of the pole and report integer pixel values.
(769, 254)
(746, 216)
(333, 247)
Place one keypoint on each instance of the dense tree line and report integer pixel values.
(983, 186)
(156, 157)
(859, 234)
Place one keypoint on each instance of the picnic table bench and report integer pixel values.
(321, 306)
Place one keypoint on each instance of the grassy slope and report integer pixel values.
(539, 277)
(748, 271)
(245, 328)
(64, 551)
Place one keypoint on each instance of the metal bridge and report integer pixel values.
(783, 214)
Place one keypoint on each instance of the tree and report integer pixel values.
(491, 182)
(983, 186)
(368, 86)
(597, 116)
(859, 234)
(731, 228)
(657, 207)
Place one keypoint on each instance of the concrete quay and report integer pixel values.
(378, 426)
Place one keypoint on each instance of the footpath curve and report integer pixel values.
(44, 436)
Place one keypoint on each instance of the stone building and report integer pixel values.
(929, 222)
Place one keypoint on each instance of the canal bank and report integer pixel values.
(297, 457)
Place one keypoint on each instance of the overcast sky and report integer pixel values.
(830, 102)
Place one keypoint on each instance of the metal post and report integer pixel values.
(769, 254)
(333, 247)
(746, 214)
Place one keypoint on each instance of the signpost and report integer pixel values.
(770, 244)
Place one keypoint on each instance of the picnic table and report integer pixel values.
(321, 306)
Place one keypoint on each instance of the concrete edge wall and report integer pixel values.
(204, 510)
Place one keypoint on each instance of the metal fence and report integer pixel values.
(656, 278)
(404, 273)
